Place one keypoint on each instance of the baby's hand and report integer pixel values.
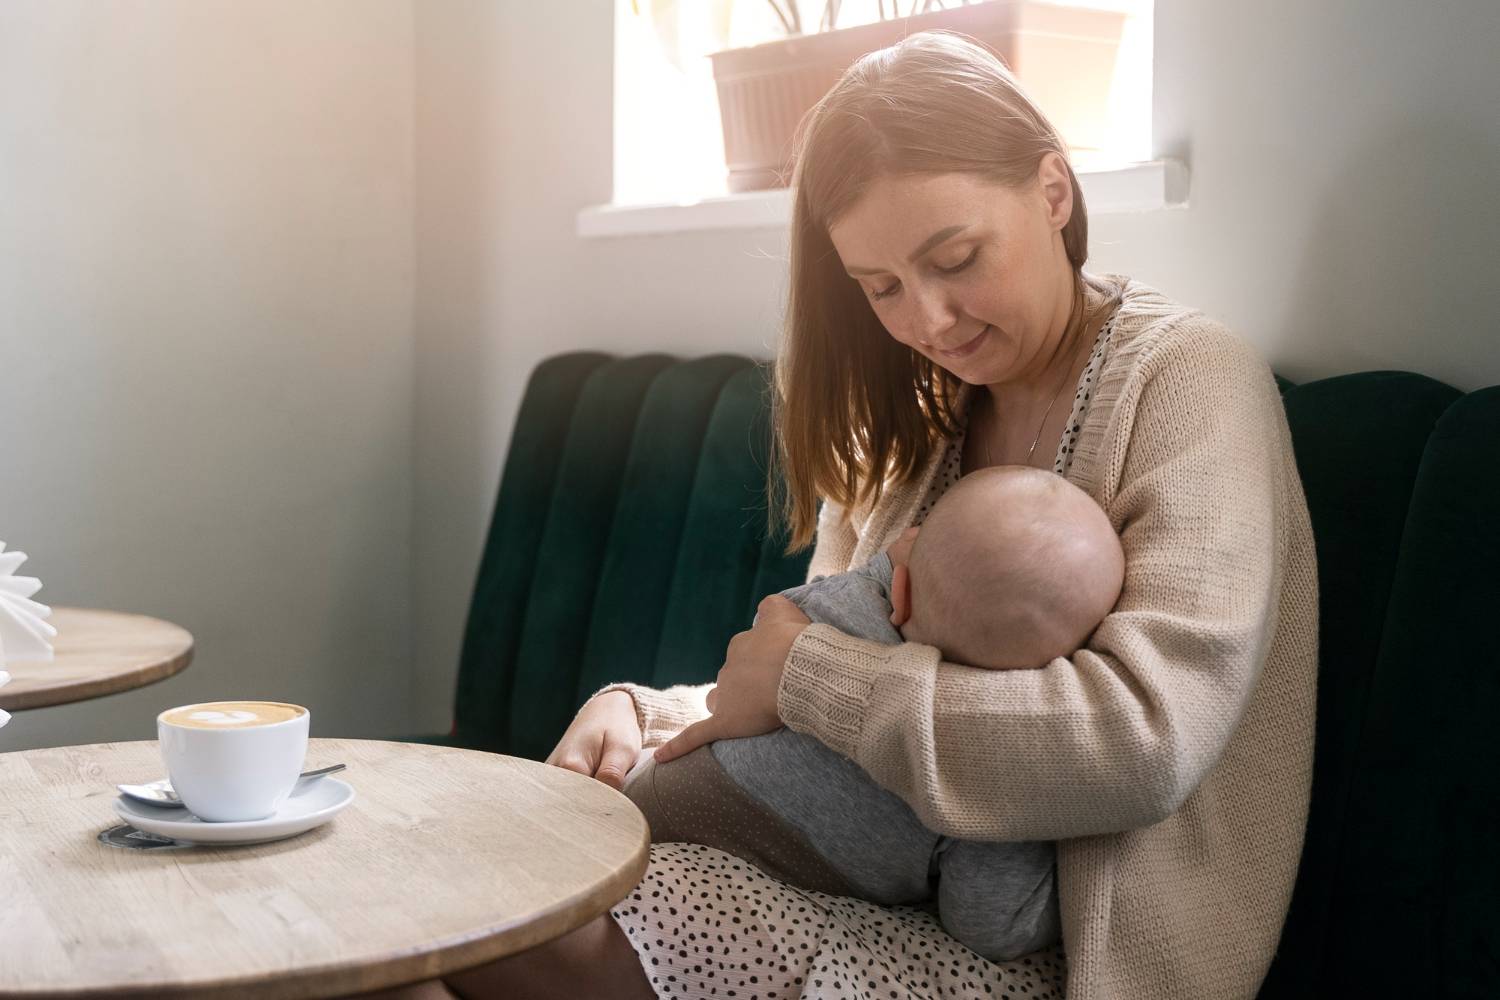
(743, 700)
(775, 608)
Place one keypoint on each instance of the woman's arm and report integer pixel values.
(662, 713)
(1120, 734)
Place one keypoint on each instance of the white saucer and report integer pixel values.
(312, 804)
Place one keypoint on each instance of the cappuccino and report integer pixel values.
(233, 761)
(231, 714)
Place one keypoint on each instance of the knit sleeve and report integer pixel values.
(1198, 480)
(663, 713)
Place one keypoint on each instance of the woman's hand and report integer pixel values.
(603, 740)
(743, 701)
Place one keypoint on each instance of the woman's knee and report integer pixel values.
(431, 990)
(594, 960)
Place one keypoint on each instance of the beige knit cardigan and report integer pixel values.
(1171, 758)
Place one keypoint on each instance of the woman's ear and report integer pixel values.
(900, 595)
(1057, 189)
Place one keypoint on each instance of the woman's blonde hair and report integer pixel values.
(851, 407)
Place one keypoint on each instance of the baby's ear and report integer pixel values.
(900, 595)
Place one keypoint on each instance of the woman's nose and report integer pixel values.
(931, 315)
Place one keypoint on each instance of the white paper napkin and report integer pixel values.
(24, 633)
(4, 715)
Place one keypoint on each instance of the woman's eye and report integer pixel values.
(887, 292)
(959, 267)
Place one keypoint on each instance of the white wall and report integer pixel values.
(1344, 156)
(1342, 217)
(206, 289)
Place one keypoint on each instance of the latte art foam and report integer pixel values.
(232, 714)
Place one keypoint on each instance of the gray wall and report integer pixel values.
(1342, 217)
(206, 295)
(1344, 156)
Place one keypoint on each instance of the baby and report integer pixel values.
(1013, 568)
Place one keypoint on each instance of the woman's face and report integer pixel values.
(971, 274)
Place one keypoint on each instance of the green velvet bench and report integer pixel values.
(629, 542)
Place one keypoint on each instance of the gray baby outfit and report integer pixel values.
(814, 818)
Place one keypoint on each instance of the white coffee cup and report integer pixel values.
(233, 760)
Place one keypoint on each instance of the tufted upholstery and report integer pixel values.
(629, 542)
(1399, 878)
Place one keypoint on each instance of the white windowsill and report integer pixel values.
(1135, 187)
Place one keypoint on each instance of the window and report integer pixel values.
(668, 138)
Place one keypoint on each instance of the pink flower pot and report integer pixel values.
(1063, 56)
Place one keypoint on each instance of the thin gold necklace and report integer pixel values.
(988, 461)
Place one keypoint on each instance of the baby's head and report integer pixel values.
(1013, 567)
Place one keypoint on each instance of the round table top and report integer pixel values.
(97, 653)
(445, 859)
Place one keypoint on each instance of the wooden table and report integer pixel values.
(446, 859)
(97, 653)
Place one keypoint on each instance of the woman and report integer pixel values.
(938, 315)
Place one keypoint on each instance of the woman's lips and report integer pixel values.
(968, 348)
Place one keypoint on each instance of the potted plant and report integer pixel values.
(1064, 56)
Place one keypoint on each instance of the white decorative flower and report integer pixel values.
(4, 715)
(24, 634)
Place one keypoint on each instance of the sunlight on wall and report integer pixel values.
(668, 141)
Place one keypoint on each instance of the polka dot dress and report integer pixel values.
(948, 471)
(706, 924)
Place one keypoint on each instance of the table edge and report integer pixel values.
(20, 700)
(431, 961)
